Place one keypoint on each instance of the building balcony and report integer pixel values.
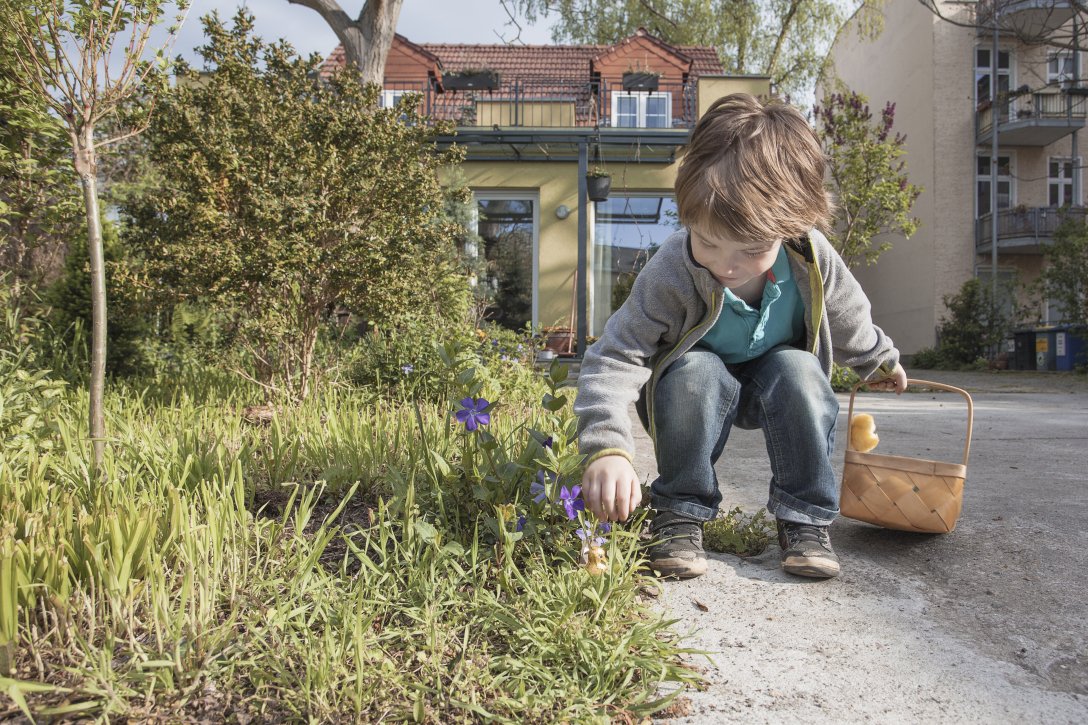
(1036, 119)
(1023, 230)
(1028, 19)
(558, 103)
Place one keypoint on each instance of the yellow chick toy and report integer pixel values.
(863, 437)
(596, 561)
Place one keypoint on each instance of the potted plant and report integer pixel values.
(640, 80)
(471, 79)
(598, 184)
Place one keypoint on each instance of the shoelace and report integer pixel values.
(805, 532)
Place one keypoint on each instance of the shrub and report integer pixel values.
(843, 379)
(126, 325)
(736, 533)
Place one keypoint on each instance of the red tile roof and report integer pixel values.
(540, 61)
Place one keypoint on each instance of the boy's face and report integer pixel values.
(733, 263)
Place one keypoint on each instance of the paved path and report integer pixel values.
(987, 624)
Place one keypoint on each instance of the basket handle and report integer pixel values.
(927, 383)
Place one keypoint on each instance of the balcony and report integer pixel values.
(1023, 230)
(559, 103)
(1028, 19)
(1035, 119)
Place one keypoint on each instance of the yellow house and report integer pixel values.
(535, 120)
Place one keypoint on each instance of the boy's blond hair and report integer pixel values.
(753, 171)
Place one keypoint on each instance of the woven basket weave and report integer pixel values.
(898, 492)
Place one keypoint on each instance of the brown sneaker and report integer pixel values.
(677, 551)
(806, 550)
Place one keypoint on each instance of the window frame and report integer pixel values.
(642, 98)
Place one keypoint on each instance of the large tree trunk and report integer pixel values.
(86, 167)
(367, 39)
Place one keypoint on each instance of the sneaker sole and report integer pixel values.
(814, 568)
(678, 568)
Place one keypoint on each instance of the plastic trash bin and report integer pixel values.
(1045, 346)
(1069, 348)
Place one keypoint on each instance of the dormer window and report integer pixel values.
(641, 109)
(392, 98)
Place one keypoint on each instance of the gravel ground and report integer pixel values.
(986, 624)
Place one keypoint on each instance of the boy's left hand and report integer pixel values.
(897, 381)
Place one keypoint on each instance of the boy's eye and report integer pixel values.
(757, 252)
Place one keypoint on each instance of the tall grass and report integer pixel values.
(355, 559)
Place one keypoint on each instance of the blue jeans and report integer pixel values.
(785, 392)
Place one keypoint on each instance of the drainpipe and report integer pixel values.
(583, 241)
(995, 117)
(1073, 166)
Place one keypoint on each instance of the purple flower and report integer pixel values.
(584, 535)
(521, 523)
(473, 415)
(536, 488)
(549, 442)
(505, 357)
(407, 368)
(571, 500)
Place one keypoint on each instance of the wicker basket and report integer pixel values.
(898, 492)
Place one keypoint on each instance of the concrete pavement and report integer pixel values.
(986, 624)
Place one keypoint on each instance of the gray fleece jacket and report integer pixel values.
(675, 301)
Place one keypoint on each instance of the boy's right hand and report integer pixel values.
(611, 489)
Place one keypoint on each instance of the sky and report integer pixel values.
(421, 21)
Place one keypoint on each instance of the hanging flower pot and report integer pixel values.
(598, 184)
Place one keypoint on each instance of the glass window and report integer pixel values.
(391, 98)
(626, 114)
(626, 233)
(1059, 67)
(508, 227)
(641, 109)
(1060, 182)
(982, 73)
(1004, 184)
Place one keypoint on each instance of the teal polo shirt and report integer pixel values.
(743, 333)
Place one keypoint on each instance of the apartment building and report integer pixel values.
(536, 121)
(936, 68)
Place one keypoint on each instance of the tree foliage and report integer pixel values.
(1066, 270)
(39, 211)
(867, 175)
(975, 325)
(283, 195)
(785, 39)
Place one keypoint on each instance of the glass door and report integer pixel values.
(508, 223)
(627, 230)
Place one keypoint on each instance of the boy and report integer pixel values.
(734, 321)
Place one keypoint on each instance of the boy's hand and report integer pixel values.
(610, 488)
(897, 381)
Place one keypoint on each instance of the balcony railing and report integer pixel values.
(559, 103)
(1030, 19)
(1036, 119)
(1024, 230)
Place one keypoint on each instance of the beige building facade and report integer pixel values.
(936, 71)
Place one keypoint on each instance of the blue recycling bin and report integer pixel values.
(1045, 348)
(1069, 348)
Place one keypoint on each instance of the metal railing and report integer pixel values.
(1032, 225)
(559, 103)
(1054, 106)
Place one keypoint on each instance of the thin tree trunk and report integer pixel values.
(86, 168)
